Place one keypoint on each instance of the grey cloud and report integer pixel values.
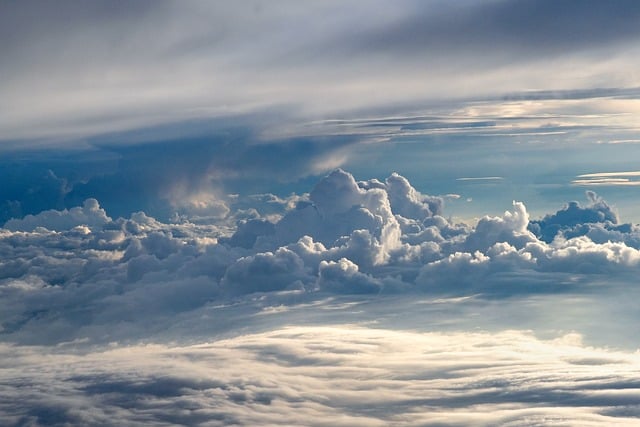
(574, 220)
(113, 71)
(265, 272)
(525, 29)
(624, 93)
(343, 276)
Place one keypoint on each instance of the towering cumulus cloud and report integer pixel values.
(79, 279)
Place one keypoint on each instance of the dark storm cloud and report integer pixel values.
(150, 171)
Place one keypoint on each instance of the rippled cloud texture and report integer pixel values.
(329, 376)
(211, 302)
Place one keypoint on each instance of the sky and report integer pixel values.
(319, 213)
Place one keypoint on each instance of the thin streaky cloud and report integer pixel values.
(608, 174)
(621, 141)
(481, 178)
(606, 182)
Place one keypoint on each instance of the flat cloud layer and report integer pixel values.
(329, 375)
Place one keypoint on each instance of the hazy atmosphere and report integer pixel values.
(354, 213)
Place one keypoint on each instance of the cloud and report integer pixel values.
(342, 276)
(72, 273)
(410, 52)
(605, 181)
(185, 174)
(30, 189)
(90, 215)
(608, 178)
(337, 374)
(482, 178)
(354, 306)
(573, 218)
(523, 26)
(511, 228)
(139, 284)
(339, 208)
(408, 202)
(265, 272)
(609, 174)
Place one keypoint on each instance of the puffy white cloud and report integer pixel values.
(460, 270)
(90, 215)
(408, 202)
(339, 207)
(582, 255)
(510, 228)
